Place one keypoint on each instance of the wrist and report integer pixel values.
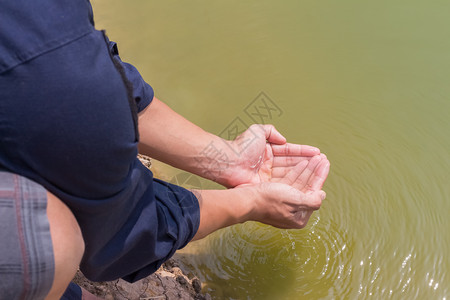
(221, 162)
(222, 208)
(246, 199)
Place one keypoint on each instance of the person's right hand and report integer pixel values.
(289, 201)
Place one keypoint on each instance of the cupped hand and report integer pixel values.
(289, 201)
(265, 156)
(284, 206)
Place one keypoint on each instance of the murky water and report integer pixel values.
(367, 82)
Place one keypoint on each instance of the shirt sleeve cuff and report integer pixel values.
(178, 215)
(182, 212)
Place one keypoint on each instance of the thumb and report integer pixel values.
(313, 200)
(273, 136)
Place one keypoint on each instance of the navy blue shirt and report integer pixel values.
(68, 120)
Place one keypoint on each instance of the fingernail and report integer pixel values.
(316, 158)
(323, 195)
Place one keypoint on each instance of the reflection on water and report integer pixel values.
(367, 82)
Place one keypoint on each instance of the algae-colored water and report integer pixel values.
(367, 82)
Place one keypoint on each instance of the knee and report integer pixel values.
(68, 245)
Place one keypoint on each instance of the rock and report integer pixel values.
(181, 280)
(197, 285)
(169, 282)
(145, 160)
(172, 263)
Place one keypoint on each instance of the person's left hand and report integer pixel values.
(265, 156)
(304, 182)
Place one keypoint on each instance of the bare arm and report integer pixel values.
(170, 138)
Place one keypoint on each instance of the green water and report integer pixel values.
(367, 82)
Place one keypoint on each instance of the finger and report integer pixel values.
(289, 149)
(288, 161)
(320, 175)
(303, 215)
(273, 136)
(294, 172)
(302, 180)
(311, 201)
(301, 218)
(315, 180)
(281, 171)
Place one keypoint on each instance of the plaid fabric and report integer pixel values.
(26, 251)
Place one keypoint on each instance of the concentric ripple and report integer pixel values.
(240, 258)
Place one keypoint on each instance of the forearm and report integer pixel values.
(223, 208)
(170, 138)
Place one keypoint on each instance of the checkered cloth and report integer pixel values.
(26, 251)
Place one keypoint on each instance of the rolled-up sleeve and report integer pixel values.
(142, 92)
(178, 213)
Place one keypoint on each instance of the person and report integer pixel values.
(73, 193)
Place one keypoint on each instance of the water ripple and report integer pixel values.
(301, 260)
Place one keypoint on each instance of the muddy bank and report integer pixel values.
(169, 282)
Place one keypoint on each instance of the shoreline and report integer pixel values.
(168, 282)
